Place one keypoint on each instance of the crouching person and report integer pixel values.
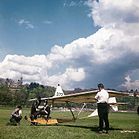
(16, 116)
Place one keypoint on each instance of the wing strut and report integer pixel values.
(69, 107)
(81, 110)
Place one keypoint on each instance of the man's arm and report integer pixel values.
(96, 96)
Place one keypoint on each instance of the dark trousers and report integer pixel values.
(103, 110)
(15, 119)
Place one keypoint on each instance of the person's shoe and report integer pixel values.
(107, 132)
(100, 132)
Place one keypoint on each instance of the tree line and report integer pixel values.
(20, 96)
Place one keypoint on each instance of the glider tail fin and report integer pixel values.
(113, 102)
(59, 91)
(94, 113)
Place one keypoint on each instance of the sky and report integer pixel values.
(76, 43)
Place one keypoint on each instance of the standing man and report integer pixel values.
(103, 108)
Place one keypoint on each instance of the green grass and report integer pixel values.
(81, 129)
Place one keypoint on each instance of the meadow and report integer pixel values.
(122, 126)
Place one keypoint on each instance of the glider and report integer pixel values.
(82, 97)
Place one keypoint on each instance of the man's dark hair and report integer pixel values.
(39, 97)
(100, 85)
(20, 107)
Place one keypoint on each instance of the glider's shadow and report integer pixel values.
(95, 128)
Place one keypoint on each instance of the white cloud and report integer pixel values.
(47, 22)
(26, 24)
(75, 74)
(132, 80)
(71, 3)
(14, 66)
(67, 78)
(130, 84)
(36, 68)
(108, 12)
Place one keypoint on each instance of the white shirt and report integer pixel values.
(20, 112)
(17, 112)
(102, 96)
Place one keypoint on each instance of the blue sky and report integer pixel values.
(77, 43)
(31, 27)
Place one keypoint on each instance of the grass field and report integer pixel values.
(81, 129)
